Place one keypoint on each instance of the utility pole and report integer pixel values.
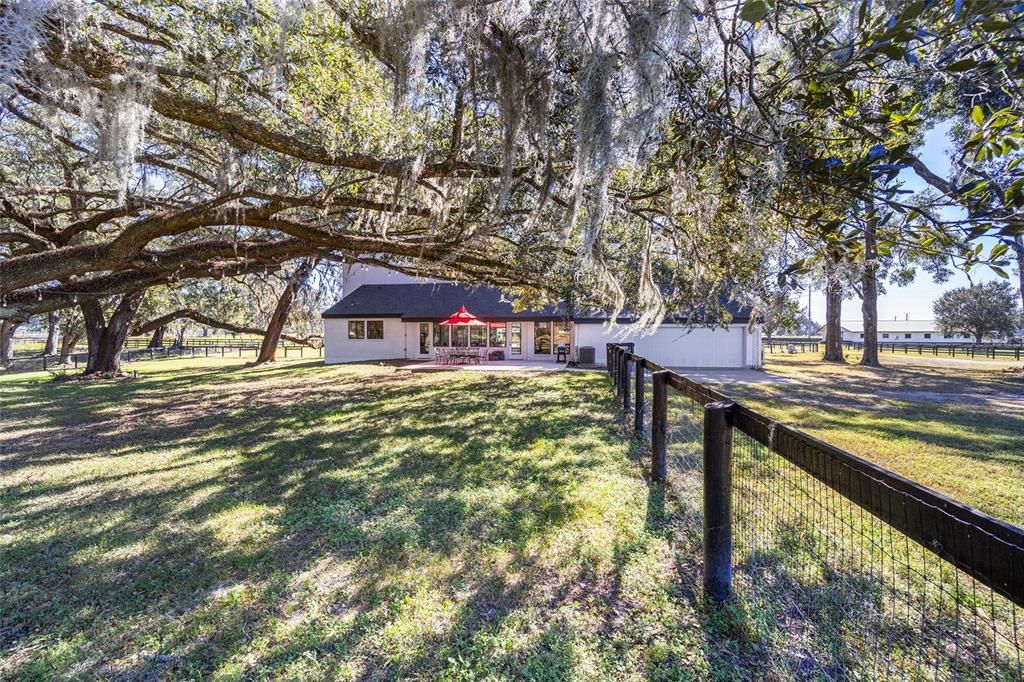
(810, 287)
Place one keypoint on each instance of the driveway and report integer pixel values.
(732, 376)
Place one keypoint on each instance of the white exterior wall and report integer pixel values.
(355, 275)
(676, 346)
(339, 348)
(669, 345)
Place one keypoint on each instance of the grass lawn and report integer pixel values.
(298, 521)
(956, 428)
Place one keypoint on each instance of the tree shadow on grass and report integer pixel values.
(202, 529)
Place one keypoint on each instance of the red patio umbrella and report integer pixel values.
(462, 317)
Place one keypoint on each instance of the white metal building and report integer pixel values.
(902, 331)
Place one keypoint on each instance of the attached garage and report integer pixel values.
(675, 345)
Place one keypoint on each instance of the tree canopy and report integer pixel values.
(979, 310)
(653, 155)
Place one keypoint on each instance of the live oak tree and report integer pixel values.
(979, 310)
(624, 154)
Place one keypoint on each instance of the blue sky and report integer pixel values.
(915, 299)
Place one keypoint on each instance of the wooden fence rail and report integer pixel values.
(80, 360)
(971, 350)
(985, 548)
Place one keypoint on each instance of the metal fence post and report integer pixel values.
(659, 423)
(638, 399)
(718, 499)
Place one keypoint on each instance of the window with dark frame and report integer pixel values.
(907, 336)
(496, 334)
(375, 330)
(441, 336)
(356, 329)
(478, 337)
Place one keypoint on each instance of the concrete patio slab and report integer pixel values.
(491, 366)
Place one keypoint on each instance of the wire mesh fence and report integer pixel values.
(853, 596)
(847, 570)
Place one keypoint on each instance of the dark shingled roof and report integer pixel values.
(437, 301)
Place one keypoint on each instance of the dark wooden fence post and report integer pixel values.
(616, 376)
(718, 499)
(638, 399)
(626, 392)
(659, 423)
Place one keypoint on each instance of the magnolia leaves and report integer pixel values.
(755, 10)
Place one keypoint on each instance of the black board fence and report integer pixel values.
(992, 351)
(128, 355)
(853, 571)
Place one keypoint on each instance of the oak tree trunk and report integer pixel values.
(869, 301)
(833, 323)
(7, 329)
(106, 339)
(157, 340)
(67, 345)
(268, 348)
(53, 326)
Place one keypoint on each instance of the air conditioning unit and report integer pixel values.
(586, 354)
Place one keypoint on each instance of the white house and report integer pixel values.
(902, 331)
(385, 315)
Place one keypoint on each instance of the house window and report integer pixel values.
(927, 336)
(478, 337)
(885, 336)
(542, 338)
(862, 336)
(441, 336)
(947, 336)
(496, 333)
(907, 336)
(366, 329)
(460, 336)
